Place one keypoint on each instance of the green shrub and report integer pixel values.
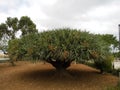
(115, 72)
(104, 63)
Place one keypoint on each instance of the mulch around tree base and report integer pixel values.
(39, 76)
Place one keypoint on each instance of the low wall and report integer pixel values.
(4, 59)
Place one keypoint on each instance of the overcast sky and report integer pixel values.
(96, 16)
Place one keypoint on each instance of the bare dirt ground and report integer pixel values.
(39, 76)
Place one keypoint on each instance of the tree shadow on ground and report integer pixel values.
(50, 75)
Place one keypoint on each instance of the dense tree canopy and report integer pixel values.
(60, 47)
(12, 27)
(109, 40)
(27, 26)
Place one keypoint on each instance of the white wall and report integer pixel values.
(116, 64)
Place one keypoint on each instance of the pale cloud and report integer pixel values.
(42, 2)
(3, 17)
(103, 18)
(6, 5)
(96, 16)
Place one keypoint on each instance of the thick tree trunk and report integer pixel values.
(102, 71)
(61, 67)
